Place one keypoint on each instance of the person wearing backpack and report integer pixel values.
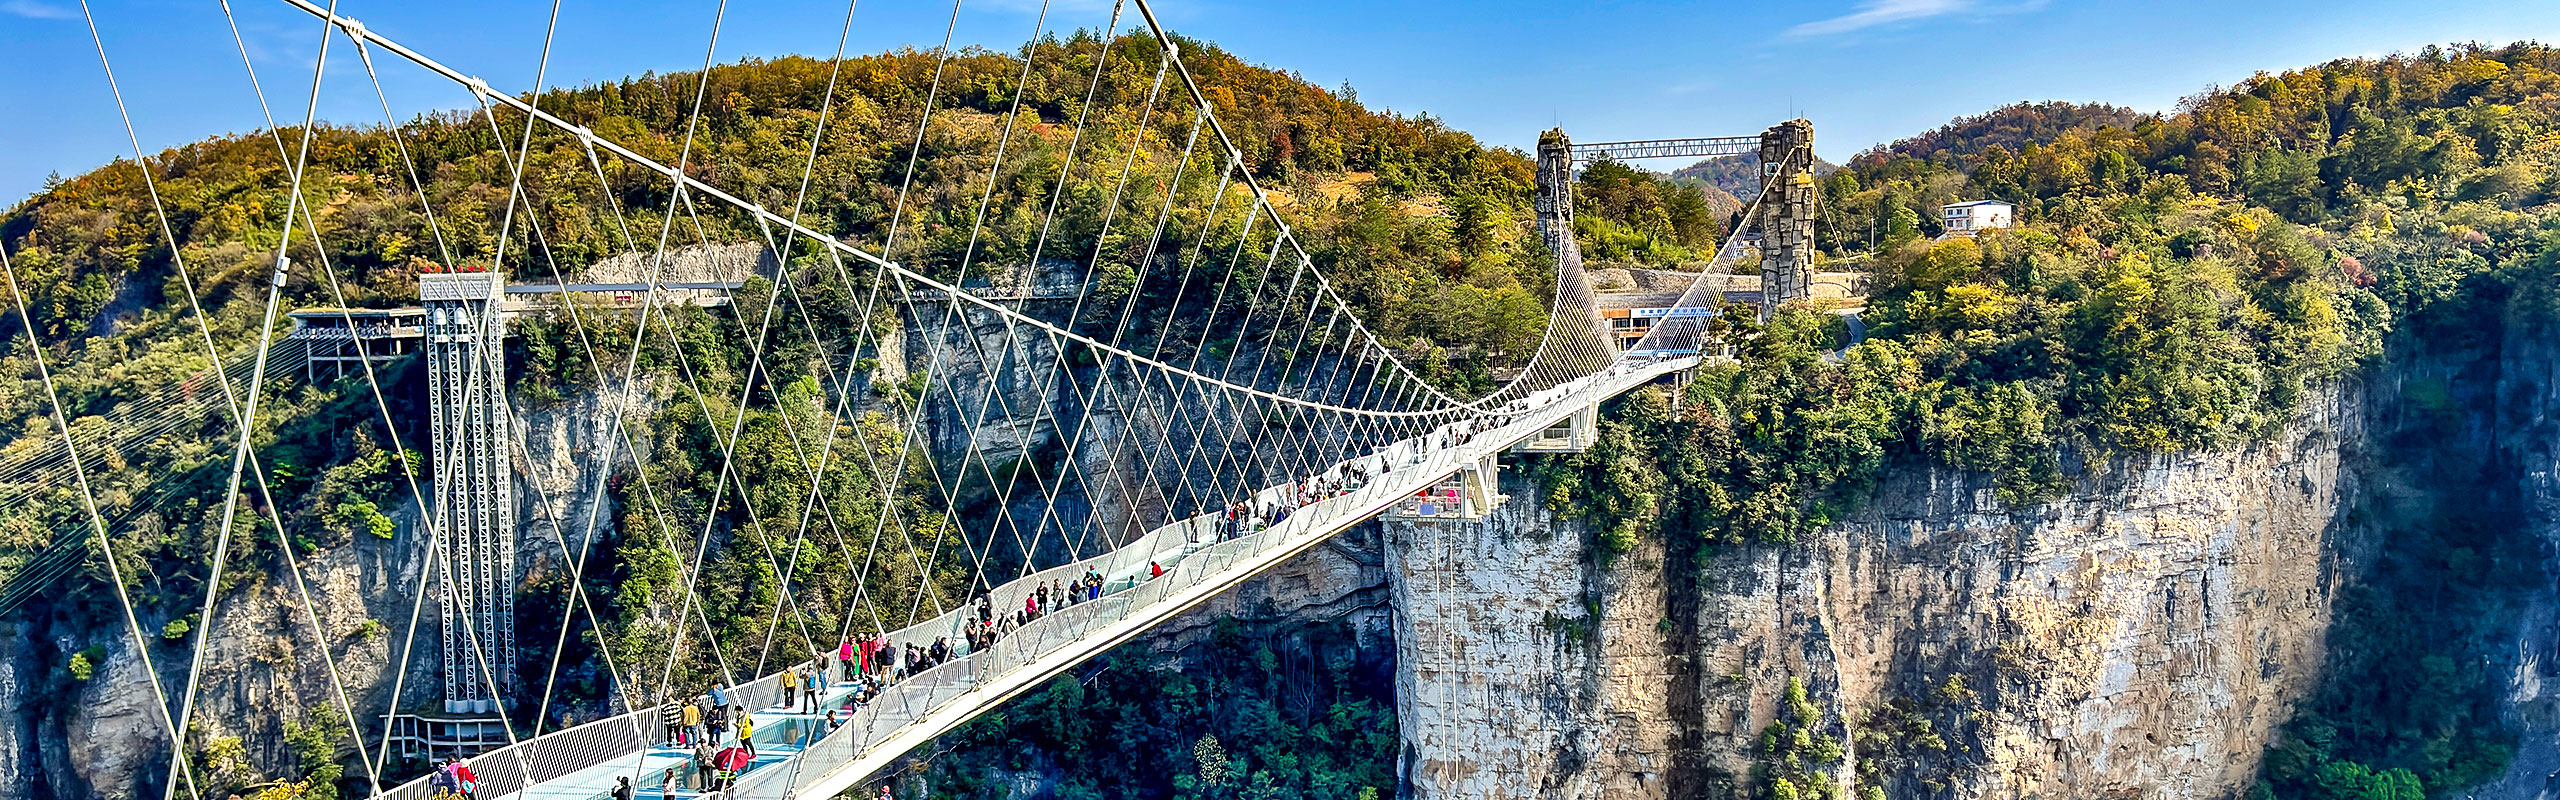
(702, 765)
(671, 715)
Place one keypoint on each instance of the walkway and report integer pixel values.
(581, 763)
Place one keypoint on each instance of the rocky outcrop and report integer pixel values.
(1522, 669)
(265, 666)
(2143, 636)
(717, 263)
(1343, 581)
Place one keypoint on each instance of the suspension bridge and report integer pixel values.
(1221, 410)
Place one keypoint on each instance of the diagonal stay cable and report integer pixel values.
(1128, 307)
(1003, 491)
(1110, 213)
(241, 454)
(800, 197)
(517, 161)
(98, 527)
(619, 434)
(693, 186)
(373, 383)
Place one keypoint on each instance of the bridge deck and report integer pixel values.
(581, 763)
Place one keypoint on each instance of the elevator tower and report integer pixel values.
(465, 351)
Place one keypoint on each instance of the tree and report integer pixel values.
(1901, 226)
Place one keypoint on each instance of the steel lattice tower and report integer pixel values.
(474, 488)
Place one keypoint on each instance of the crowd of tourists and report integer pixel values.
(453, 779)
(1245, 518)
(719, 734)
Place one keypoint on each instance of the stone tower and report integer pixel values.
(475, 489)
(1555, 189)
(1786, 221)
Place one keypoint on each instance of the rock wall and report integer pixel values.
(1508, 684)
(264, 668)
(265, 665)
(2526, 435)
(1344, 580)
(2141, 637)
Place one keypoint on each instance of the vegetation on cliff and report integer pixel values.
(2175, 282)
(1250, 718)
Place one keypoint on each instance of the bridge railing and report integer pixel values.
(557, 754)
(926, 692)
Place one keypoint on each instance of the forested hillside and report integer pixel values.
(2177, 281)
(1739, 176)
(2011, 127)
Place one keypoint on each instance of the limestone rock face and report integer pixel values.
(1507, 684)
(2527, 435)
(693, 264)
(265, 665)
(1342, 581)
(564, 449)
(996, 377)
(17, 729)
(2141, 637)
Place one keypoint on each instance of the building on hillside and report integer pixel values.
(1974, 216)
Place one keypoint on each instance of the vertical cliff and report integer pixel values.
(2524, 435)
(263, 671)
(2145, 634)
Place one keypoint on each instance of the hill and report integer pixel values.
(1433, 246)
(1738, 176)
(2412, 194)
(2009, 126)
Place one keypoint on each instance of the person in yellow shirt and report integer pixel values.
(693, 722)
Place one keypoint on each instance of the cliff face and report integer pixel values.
(264, 668)
(2143, 635)
(2146, 635)
(1004, 388)
(1508, 684)
(2526, 435)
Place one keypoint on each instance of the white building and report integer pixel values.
(1971, 216)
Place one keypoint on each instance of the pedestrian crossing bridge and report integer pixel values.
(1107, 368)
(802, 757)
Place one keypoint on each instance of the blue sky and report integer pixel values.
(1865, 71)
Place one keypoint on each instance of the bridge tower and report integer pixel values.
(474, 487)
(1786, 222)
(1555, 190)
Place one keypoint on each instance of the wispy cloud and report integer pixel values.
(1872, 13)
(31, 9)
(1688, 88)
